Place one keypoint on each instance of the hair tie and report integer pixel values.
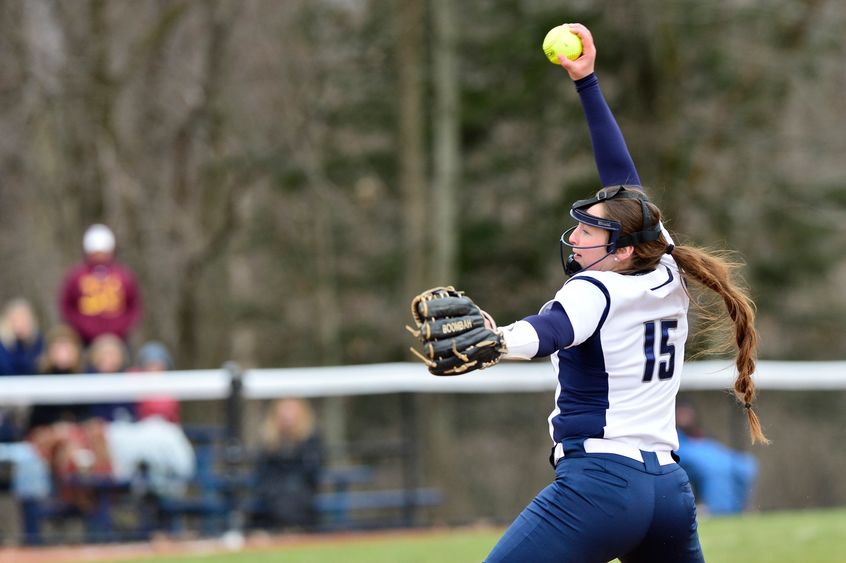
(670, 248)
(747, 406)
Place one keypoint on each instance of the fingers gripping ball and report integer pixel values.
(561, 41)
(453, 333)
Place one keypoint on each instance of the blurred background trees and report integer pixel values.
(284, 176)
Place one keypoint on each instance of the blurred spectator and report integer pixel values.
(62, 355)
(154, 448)
(21, 342)
(153, 358)
(71, 450)
(30, 486)
(10, 426)
(100, 296)
(108, 355)
(80, 462)
(722, 478)
(62, 352)
(288, 467)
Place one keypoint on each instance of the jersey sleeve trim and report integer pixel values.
(554, 329)
(669, 280)
(601, 286)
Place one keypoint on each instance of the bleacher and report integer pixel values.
(219, 498)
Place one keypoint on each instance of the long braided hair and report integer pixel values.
(709, 270)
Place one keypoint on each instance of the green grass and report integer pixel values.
(779, 537)
(785, 537)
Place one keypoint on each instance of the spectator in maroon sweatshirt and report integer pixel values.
(100, 296)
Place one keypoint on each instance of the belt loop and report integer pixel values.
(569, 447)
(650, 460)
(574, 447)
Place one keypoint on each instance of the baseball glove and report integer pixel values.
(453, 332)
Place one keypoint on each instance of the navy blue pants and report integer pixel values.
(606, 506)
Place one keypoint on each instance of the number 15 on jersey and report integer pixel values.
(665, 361)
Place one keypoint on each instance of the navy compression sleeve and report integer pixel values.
(555, 331)
(613, 161)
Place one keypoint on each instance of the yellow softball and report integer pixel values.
(561, 41)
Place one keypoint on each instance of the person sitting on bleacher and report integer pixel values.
(108, 355)
(21, 341)
(72, 450)
(85, 461)
(154, 359)
(288, 468)
(21, 344)
(154, 449)
(62, 356)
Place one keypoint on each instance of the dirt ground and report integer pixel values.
(167, 546)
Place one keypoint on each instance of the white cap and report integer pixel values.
(98, 238)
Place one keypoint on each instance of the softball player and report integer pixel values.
(615, 333)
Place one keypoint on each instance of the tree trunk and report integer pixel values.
(446, 150)
(412, 158)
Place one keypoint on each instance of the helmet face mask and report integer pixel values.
(613, 227)
(571, 267)
(578, 211)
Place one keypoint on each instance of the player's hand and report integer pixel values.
(584, 65)
(490, 323)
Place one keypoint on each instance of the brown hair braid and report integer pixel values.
(713, 271)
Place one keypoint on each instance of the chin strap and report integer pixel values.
(571, 267)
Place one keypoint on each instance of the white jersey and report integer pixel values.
(619, 378)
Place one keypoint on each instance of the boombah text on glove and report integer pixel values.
(453, 332)
(457, 326)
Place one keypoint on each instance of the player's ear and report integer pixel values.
(624, 253)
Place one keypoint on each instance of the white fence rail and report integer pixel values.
(374, 379)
